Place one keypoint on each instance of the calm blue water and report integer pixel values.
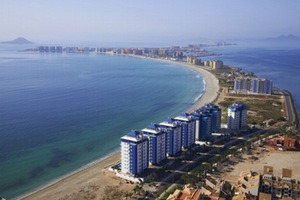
(278, 63)
(59, 112)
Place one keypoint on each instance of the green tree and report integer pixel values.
(189, 179)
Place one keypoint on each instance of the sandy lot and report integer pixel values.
(271, 157)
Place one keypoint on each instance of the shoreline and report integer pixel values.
(211, 88)
(211, 83)
(59, 182)
(94, 172)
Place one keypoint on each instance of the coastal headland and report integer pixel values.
(95, 174)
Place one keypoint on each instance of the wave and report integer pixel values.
(198, 97)
(203, 90)
(201, 94)
(204, 85)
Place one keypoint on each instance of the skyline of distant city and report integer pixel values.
(137, 21)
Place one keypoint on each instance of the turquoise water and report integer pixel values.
(60, 112)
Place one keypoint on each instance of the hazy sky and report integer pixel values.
(139, 20)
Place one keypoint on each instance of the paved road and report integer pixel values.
(177, 173)
(289, 107)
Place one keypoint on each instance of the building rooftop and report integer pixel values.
(264, 196)
(286, 173)
(184, 117)
(152, 128)
(188, 193)
(134, 136)
(237, 106)
(170, 122)
(268, 170)
(133, 133)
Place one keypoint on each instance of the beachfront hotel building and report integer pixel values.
(134, 153)
(193, 60)
(173, 136)
(242, 85)
(202, 124)
(237, 116)
(215, 64)
(157, 143)
(187, 128)
(262, 86)
(216, 114)
(249, 85)
(207, 119)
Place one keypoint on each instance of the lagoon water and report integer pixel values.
(278, 62)
(59, 112)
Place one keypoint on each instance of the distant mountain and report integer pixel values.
(284, 38)
(19, 40)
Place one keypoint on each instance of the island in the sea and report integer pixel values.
(19, 40)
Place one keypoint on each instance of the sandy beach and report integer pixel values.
(93, 178)
(211, 87)
(94, 175)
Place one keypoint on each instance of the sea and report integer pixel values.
(59, 112)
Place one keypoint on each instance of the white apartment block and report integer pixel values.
(134, 153)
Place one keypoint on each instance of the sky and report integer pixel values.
(125, 21)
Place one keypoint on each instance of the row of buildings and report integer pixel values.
(155, 143)
(214, 64)
(60, 49)
(50, 49)
(212, 188)
(173, 52)
(253, 85)
(193, 60)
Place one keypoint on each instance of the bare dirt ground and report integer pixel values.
(255, 160)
